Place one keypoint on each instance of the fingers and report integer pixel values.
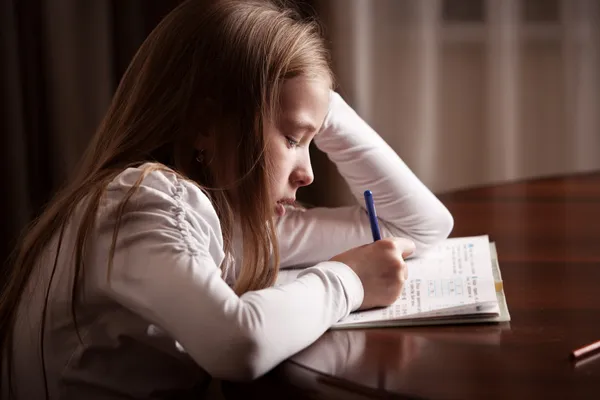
(398, 245)
(401, 278)
(407, 246)
(404, 271)
(403, 245)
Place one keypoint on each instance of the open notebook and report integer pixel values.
(456, 282)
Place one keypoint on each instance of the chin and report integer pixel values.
(279, 210)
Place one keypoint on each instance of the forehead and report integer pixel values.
(304, 99)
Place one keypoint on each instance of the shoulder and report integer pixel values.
(165, 200)
(156, 183)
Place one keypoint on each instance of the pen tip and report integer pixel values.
(368, 193)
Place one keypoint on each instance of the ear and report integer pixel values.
(205, 140)
(205, 136)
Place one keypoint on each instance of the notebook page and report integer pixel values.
(455, 274)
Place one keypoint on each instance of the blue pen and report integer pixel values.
(372, 215)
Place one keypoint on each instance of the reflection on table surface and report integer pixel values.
(379, 358)
(547, 234)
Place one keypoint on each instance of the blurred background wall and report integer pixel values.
(468, 92)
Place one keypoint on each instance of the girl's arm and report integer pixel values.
(405, 206)
(166, 271)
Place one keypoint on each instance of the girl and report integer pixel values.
(182, 214)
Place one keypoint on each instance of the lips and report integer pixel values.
(288, 201)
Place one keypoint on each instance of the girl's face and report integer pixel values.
(304, 104)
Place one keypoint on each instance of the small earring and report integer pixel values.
(200, 156)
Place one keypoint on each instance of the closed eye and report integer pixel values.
(291, 142)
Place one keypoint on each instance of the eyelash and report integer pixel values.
(291, 142)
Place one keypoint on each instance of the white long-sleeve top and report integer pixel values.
(166, 273)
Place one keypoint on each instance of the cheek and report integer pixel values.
(275, 156)
(283, 166)
(278, 162)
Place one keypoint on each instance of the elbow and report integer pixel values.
(246, 361)
(249, 368)
(441, 226)
(445, 223)
(437, 228)
(249, 373)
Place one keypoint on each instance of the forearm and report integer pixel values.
(404, 204)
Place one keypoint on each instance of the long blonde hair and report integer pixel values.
(209, 65)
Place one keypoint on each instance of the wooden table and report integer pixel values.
(547, 233)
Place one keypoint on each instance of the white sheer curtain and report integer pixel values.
(507, 90)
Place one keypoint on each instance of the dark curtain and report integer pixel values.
(61, 62)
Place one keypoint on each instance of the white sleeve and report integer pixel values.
(405, 206)
(165, 270)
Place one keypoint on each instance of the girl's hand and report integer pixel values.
(381, 269)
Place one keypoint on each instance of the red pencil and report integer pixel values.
(582, 351)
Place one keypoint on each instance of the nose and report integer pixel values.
(303, 173)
